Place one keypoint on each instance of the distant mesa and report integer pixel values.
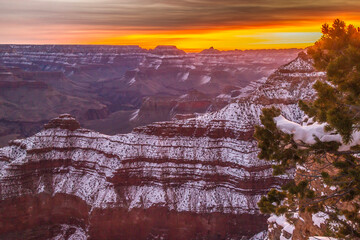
(64, 121)
(167, 50)
(211, 50)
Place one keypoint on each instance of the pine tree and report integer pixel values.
(338, 105)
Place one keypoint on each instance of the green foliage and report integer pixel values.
(271, 202)
(338, 105)
(275, 145)
(337, 53)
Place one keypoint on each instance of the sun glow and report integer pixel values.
(223, 39)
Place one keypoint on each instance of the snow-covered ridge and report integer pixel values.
(111, 154)
(299, 65)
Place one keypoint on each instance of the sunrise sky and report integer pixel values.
(189, 24)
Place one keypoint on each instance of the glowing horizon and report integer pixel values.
(191, 25)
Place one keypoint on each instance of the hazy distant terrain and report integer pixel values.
(112, 89)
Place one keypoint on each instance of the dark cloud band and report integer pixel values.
(171, 14)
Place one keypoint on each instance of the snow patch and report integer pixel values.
(205, 79)
(134, 115)
(226, 96)
(282, 221)
(185, 76)
(260, 236)
(319, 218)
(132, 81)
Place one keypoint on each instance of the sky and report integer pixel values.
(191, 25)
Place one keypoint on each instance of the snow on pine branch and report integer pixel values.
(306, 133)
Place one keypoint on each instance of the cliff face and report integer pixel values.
(196, 178)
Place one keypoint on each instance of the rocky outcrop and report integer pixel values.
(64, 121)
